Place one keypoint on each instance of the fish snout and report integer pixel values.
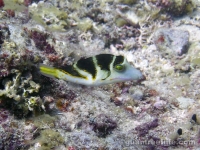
(143, 78)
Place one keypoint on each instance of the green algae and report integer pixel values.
(49, 139)
(85, 24)
(50, 17)
(13, 5)
(194, 54)
(44, 120)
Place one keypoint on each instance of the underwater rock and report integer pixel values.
(49, 139)
(49, 16)
(1, 3)
(176, 7)
(44, 120)
(185, 102)
(13, 87)
(143, 129)
(4, 115)
(85, 24)
(172, 41)
(174, 136)
(138, 95)
(19, 92)
(194, 55)
(13, 5)
(127, 2)
(13, 133)
(160, 104)
(103, 125)
(4, 33)
(40, 40)
(120, 27)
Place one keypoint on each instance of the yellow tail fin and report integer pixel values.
(48, 71)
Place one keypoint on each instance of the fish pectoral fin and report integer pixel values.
(105, 74)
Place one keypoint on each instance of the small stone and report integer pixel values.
(159, 104)
(185, 102)
(137, 95)
(129, 109)
(172, 41)
(103, 125)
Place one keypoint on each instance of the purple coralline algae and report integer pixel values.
(143, 129)
(103, 125)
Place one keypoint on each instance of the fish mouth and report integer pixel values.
(143, 78)
(139, 80)
(120, 79)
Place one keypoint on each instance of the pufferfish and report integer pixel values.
(98, 70)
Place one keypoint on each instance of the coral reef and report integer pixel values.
(161, 112)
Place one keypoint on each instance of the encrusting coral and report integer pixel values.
(176, 7)
(49, 139)
(22, 89)
(49, 16)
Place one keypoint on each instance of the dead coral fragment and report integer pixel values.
(172, 41)
(49, 139)
(176, 7)
(175, 135)
(85, 24)
(44, 121)
(144, 128)
(103, 125)
(194, 54)
(3, 70)
(13, 5)
(4, 33)
(1, 3)
(13, 87)
(19, 92)
(12, 136)
(40, 40)
(10, 13)
(4, 115)
(139, 15)
(128, 2)
(50, 16)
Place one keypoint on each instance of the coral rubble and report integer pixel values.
(161, 37)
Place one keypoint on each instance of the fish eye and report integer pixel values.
(119, 67)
